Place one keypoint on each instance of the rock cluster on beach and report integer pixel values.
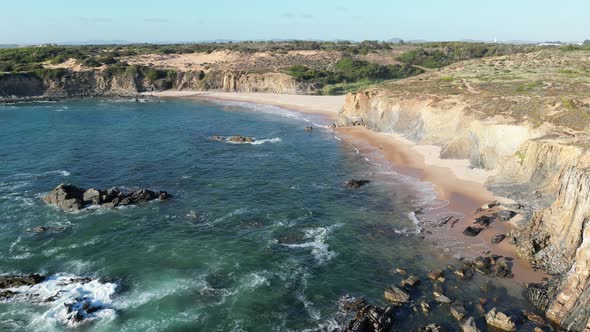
(414, 295)
(71, 198)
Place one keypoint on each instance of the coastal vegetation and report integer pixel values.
(440, 55)
(349, 74)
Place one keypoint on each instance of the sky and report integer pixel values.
(55, 21)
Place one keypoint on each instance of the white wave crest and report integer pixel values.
(318, 245)
(267, 140)
(71, 300)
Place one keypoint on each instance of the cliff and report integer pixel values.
(540, 157)
(93, 83)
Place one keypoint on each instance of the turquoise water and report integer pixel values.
(257, 237)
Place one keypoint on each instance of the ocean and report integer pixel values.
(256, 237)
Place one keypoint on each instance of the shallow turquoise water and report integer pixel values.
(257, 237)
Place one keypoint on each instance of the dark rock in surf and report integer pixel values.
(368, 318)
(355, 184)
(472, 231)
(5, 295)
(309, 129)
(431, 328)
(240, 139)
(67, 197)
(71, 198)
(396, 296)
(411, 281)
(18, 281)
(458, 311)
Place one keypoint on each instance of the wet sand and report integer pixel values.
(464, 193)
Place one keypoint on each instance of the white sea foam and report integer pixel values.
(68, 290)
(256, 279)
(319, 247)
(412, 216)
(267, 140)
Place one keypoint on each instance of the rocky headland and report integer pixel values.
(525, 119)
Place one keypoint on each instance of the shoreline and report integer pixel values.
(453, 180)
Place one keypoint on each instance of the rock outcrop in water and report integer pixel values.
(355, 184)
(71, 198)
(545, 167)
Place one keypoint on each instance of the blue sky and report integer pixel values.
(42, 21)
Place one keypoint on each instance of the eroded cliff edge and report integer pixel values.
(96, 83)
(531, 128)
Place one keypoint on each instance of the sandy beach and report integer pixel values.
(454, 181)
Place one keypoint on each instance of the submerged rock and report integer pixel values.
(458, 311)
(435, 274)
(469, 325)
(354, 183)
(500, 320)
(71, 198)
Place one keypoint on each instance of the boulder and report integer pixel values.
(498, 238)
(66, 197)
(469, 325)
(18, 281)
(435, 274)
(472, 231)
(411, 281)
(458, 311)
(505, 215)
(500, 320)
(396, 295)
(71, 198)
(240, 139)
(442, 299)
(142, 195)
(354, 183)
(533, 317)
(92, 196)
(368, 317)
(484, 221)
(431, 328)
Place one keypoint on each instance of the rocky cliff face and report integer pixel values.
(100, 83)
(545, 167)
